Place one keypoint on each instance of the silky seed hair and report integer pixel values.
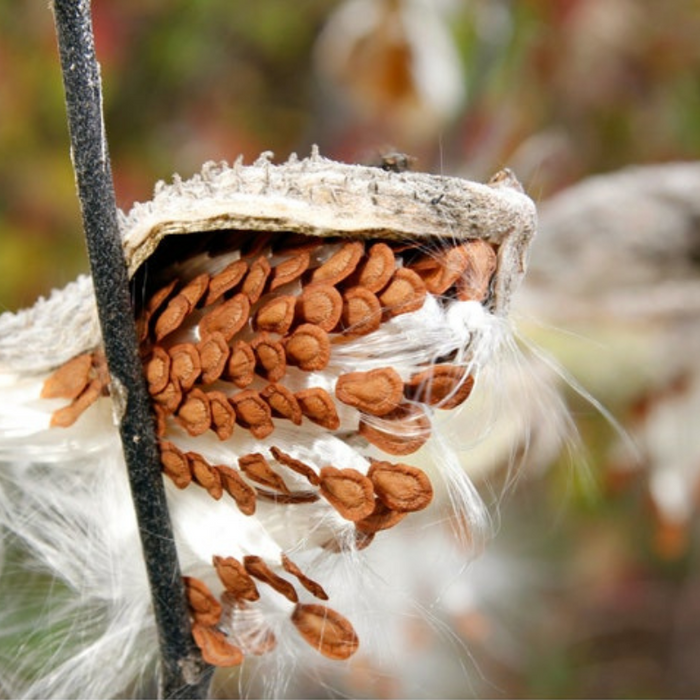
(303, 329)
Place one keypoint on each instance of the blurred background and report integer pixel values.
(600, 544)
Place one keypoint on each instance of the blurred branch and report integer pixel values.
(184, 675)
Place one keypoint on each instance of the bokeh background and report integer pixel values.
(558, 90)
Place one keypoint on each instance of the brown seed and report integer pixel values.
(444, 386)
(258, 469)
(223, 416)
(170, 398)
(175, 465)
(295, 465)
(194, 415)
(326, 631)
(171, 319)
(381, 518)
(441, 271)
(205, 475)
(401, 487)
(348, 491)
(474, 283)
(312, 586)
(362, 312)
(213, 355)
(257, 568)
(236, 579)
(341, 264)
(376, 270)
(282, 402)
(225, 280)
(290, 269)
(406, 292)
(205, 608)
(158, 370)
(194, 290)
(271, 361)
(377, 392)
(238, 489)
(227, 318)
(69, 380)
(317, 405)
(276, 315)
(185, 365)
(252, 413)
(401, 432)
(241, 365)
(158, 298)
(254, 283)
(215, 647)
(66, 416)
(308, 348)
(320, 304)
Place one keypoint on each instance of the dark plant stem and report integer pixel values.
(184, 675)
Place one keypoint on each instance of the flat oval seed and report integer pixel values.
(321, 305)
(205, 475)
(241, 365)
(205, 607)
(225, 280)
(258, 469)
(158, 370)
(295, 465)
(376, 271)
(290, 269)
(170, 398)
(223, 416)
(194, 415)
(401, 432)
(362, 312)
(441, 271)
(401, 487)
(381, 518)
(348, 491)
(308, 348)
(215, 647)
(376, 392)
(213, 355)
(254, 283)
(257, 568)
(271, 361)
(175, 465)
(185, 365)
(227, 318)
(236, 487)
(252, 413)
(340, 264)
(317, 405)
(405, 293)
(282, 402)
(158, 298)
(172, 317)
(474, 283)
(236, 579)
(69, 380)
(444, 386)
(66, 416)
(276, 315)
(312, 586)
(325, 630)
(194, 290)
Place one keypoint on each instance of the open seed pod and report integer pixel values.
(301, 327)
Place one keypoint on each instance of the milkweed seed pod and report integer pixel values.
(310, 334)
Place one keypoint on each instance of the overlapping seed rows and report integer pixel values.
(220, 352)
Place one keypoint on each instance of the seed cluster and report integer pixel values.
(242, 347)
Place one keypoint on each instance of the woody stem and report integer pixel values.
(183, 673)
